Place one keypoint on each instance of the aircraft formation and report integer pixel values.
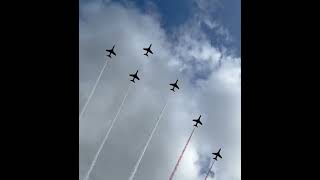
(174, 85)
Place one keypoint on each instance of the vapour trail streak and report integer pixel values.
(178, 162)
(92, 91)
(106, 136)
(209, 170)
(147, 144)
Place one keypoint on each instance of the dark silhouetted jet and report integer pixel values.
(135, 76)
(111, 51)
(174, 85)
(217, 154)
(148, 50)
(197, 121)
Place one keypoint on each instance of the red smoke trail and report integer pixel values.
(209, 170)
(185, 147)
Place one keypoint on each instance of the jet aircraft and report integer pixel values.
(111, 51)
(174, 85)
(217, 154)
(197, 121)
(148, 50)
(135, 76)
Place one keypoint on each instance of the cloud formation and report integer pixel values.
(209, 80)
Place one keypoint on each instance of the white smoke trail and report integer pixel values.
(147, 144)
(92, 91)
(209, 170)
(106, 136)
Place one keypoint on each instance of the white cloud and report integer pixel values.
(217, 97)
(208, 5)
(210, 24)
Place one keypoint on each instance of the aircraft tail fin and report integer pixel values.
(196, 125)
(172, 89)
(132, 80)
(215, 158)
(146, 54)
(109, 55)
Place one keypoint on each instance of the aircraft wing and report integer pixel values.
(200, 122)
(137, 77)
(150, 51)
(146, 49)
(217, 154)
(177, 86)
(113, 53)
(132, 75)
(108, 50)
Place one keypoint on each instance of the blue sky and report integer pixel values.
(227, 12)
(176, 12)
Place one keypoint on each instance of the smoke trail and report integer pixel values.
(175, 168)
(106, 136)
(92, 91)
(147, 144)
(209, 170)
